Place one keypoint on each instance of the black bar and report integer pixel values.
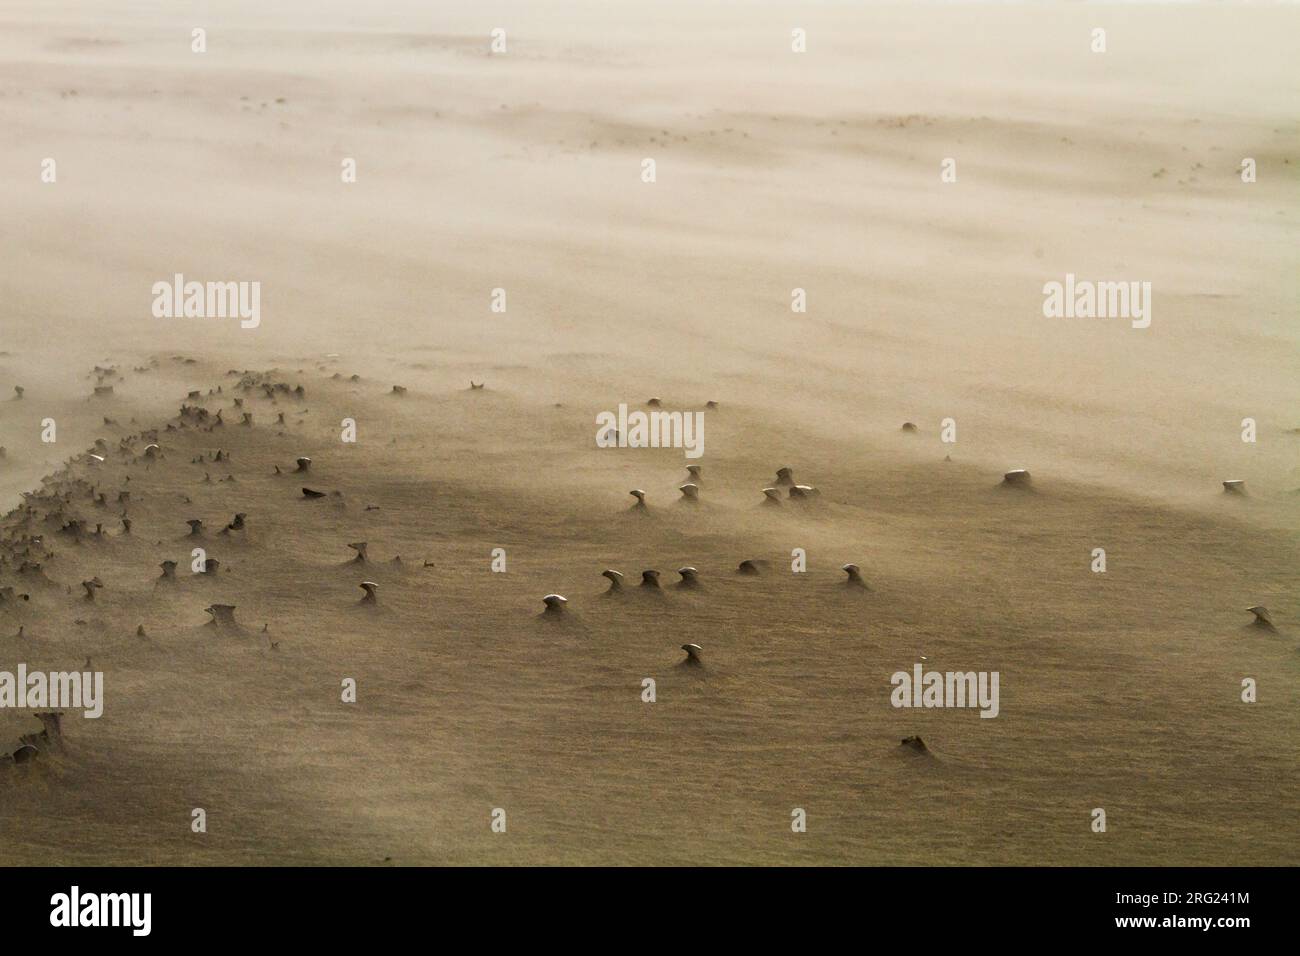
(215, 906)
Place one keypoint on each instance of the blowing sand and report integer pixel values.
(775, 171)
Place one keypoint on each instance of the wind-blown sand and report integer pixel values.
(775, 171)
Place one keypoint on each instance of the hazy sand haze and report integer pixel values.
(818, 171)
(775, 171)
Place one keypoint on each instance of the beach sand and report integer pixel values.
(775, 171)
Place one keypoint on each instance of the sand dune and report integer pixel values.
(374, 560)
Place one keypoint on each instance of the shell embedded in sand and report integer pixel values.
(1017, 476)
(304, 464)
(784, 476)
(399, 390)
(370, 587)
(653, 402)
(221, 613)
(360, 548)
(909, 427)
(554, 603)
(1261, 615)
(771, 496)
(638, 494)
(196, 526)
(748, 567)
(51, 724)
(690, 491)
(312, 493)
(803, 491)
(914, 743)
(25, 754)
(168, 569)
(1235, 486)
(650, 579)
(854, 573)
(91, 586)
(694, 472)
(690, 576)
(615, 578)
(693, 652)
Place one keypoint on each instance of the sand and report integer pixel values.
(775, 171)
